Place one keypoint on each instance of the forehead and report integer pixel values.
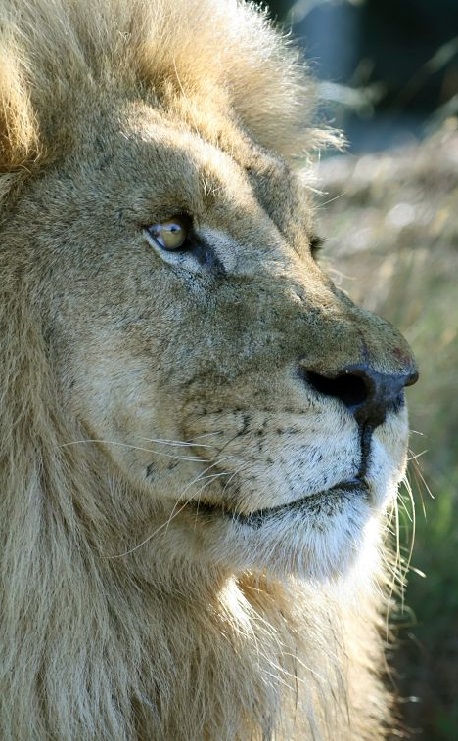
(180, 156)
(148, 145)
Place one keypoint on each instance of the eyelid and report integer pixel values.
(316, 244)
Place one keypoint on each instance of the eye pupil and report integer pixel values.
(170, 234)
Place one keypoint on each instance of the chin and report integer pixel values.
(319, 537)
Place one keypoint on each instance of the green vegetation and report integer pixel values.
(392, 225)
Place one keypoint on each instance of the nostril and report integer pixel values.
(369, 395)
(350, 388)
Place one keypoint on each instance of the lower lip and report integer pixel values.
(260, 517)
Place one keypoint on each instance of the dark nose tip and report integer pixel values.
(369, 395)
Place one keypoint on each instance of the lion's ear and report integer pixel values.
(18, 129)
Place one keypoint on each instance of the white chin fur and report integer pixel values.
(321, 543)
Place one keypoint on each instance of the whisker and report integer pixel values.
(131, 447)
(195, 499)
(176, 509)
(420, 480)
(150, 537)
(208, 434)
(175, 443)
(403, 553)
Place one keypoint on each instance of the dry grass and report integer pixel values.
(392, 225)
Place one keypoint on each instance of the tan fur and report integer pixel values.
(138, 383)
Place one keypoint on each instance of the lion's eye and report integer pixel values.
(170, 234)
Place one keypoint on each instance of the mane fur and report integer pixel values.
(95, 645)
(53, 53)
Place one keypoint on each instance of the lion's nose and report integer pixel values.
(368, 394)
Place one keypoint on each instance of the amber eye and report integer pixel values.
(170, 234)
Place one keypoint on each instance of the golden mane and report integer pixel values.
(53, 53)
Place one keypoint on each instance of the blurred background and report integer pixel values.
(388, 69)
(388, 208)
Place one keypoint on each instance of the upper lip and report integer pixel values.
(258, 517)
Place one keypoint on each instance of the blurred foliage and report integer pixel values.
(391, 222)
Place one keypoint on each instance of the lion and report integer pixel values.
(201, 436)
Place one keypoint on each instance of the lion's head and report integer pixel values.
(184, 380)
(191, 333)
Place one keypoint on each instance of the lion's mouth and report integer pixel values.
(307, 505)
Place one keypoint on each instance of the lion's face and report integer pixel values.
(195, 338)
